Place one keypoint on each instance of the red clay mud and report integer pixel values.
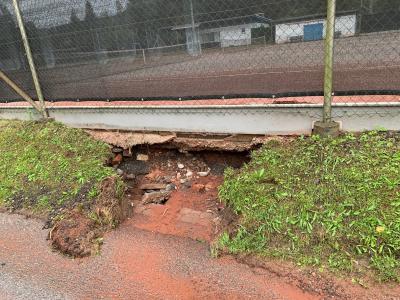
(77, 234)
(189, 212)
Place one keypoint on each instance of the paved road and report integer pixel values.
(134, 264)
(138, 264)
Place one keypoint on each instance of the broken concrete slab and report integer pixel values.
(196, 217)
(153, 186)
(127, 140)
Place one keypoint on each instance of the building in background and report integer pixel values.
(236, 31)
(312, 28)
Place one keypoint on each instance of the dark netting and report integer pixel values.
(12, 55)
(134, 49)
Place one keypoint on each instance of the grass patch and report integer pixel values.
(330, 203)
(45, 166)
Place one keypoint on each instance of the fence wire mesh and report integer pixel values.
(202, 49)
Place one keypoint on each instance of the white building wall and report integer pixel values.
(239, 35)
(344, 24)
(235, 36)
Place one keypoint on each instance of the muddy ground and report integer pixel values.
(172, 214)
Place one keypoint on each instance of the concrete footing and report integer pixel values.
(331, 129)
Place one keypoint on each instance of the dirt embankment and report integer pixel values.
(79, 233)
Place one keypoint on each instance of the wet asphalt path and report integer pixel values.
(134, 264)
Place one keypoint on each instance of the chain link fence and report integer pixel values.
(264, 51)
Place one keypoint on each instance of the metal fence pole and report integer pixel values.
(19, 91)
(329, 44)
(30, 58)
(328, 127)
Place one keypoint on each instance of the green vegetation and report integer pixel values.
(329, 203)
(45, 166)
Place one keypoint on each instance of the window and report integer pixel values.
(243, 30)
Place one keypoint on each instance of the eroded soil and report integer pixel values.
(189, 182)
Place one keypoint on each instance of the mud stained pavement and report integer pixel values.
(134, 264)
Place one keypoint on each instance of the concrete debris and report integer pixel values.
(142, 157)
(153, 186)
(120, 172)
(170, 187)
(204, 174)
(181, 166)
(155, 197)
(191, 216)
(130, 176)
(189, 174)
(117, 150)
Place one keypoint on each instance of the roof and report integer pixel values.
(234, 21)
(184, 26)
(313, 17)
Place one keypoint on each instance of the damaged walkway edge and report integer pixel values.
(272, 119)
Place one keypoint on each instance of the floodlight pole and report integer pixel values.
(195, 40)
(30, 58)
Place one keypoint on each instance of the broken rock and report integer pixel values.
(130, 176)
(170, 187)
(155, 197)
(117, 150)
(181, 166)
(204, 174)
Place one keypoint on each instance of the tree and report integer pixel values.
(119, 7)
(90, 15)
(74, 18)
(89, 38)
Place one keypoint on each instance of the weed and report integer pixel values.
(331, 203)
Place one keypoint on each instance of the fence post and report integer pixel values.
(327, 127)
(30, 58)
(144, 56)
(19, 91)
